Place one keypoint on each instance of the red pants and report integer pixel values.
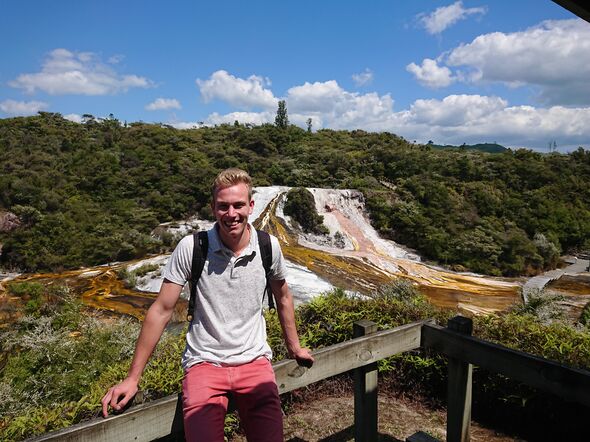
(205, 391)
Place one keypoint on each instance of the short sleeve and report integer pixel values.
(278, 269)
(178, 267)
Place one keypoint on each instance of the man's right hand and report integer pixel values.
(118, 396)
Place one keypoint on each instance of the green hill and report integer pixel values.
(92, 193)
(482, 147)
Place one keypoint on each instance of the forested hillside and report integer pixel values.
(92, 193)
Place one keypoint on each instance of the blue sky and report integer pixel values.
(512, 72)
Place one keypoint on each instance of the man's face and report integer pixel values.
(232, 207)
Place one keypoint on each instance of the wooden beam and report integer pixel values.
(365, 391)
(569, 383)
(459, 388)
(347, 356)
(159, 419)
(145, 422)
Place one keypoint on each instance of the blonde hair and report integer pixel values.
(231, 177)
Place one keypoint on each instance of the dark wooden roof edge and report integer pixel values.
(579, 7)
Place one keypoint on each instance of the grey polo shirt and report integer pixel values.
(228, 326)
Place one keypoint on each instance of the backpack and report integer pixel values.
(201, 245)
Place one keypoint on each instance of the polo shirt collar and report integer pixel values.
(217, 246)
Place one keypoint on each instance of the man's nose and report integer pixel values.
(231, 211)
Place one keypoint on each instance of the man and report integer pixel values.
(226, 351)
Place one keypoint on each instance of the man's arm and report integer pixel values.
(152, 328)
(286, 312)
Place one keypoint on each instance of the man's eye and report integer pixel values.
(223, 207)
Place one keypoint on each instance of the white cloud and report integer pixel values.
(363, 78)
(116, 59)
(430, 74)
(76, 118)
(314, 97)
(164, 104)
(187, 124)
(78, 73)
(454, 119)
(456, 110)
(22, 108)
(553, 56)
(474, 119)
(445, 16)
(327, 103)
(256, 118)
(250, 92)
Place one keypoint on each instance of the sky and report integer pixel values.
(505, 71)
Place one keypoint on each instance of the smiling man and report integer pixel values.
(226, 352)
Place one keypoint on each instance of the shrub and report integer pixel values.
(301, 206)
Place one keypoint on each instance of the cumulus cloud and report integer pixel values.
(455, 119)
(363, 78)
(187, 124)
(468, 119)
(430, 74)
(553, 56)
(76, 118)
(456, 110)
(256, 118)
(446, 16)
(79, 73)
(164, 104)
(250, 92)
(22, 108)
(328, 103)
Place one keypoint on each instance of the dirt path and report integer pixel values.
(330, 419)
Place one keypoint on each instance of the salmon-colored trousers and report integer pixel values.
(205, 394)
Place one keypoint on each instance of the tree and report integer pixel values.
(309, 122)
(282, 120)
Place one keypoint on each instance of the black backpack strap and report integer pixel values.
(200, 246)
(266, 255)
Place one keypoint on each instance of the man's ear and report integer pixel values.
(251, 207)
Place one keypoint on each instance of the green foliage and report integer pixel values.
(145, 269)
(92, 193)
(130, 277)
(585, 315)
(88, 357)
(301, 206)
(281, 119)
(53, 362)
(542, 306)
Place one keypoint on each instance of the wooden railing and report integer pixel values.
(162, 419)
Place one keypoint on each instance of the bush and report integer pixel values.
(301, 206)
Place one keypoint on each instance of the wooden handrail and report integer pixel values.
(163, 418)
(571, 384)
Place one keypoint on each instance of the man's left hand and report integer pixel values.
(303, 357)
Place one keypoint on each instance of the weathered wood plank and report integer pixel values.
(145, 422)
(347, 356)
(365, 391)
(154, 420)
(569, 383)
(459, 388)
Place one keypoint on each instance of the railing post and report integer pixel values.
(365, 391)
(459, 388)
